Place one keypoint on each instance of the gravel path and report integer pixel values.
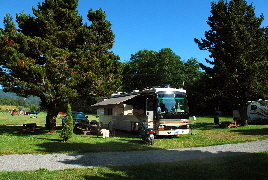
(85, 160)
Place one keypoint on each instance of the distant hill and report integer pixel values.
(30, 100)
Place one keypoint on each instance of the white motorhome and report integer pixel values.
(164, 110)
(257, 110)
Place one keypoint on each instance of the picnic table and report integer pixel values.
(89, 128)
(29, 127)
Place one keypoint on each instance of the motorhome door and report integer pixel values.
(150, 112)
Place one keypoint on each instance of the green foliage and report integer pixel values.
(238, 46)
(68, 125)
(195, 86)
(149, 68)
(55, 56)
(20, 104)
(7, 102)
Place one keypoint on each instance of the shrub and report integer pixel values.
(68, 126)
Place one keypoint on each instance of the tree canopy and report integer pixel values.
(150, 68)
(238, 47)
(55, 56)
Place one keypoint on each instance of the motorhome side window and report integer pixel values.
(108, 111)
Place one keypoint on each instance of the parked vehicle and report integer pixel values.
(79, 118)
(31, 113)
(257, 111)
(163, 109)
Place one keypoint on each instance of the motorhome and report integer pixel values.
(164, 110)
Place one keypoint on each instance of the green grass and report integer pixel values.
(8, 119)
(204, 133)
(246, 167)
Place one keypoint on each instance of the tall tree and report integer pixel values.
(55, 56)
(195, 85)
(238, 47)
(149, 68)
(192, 73)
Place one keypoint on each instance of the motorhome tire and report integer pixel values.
(112, 133)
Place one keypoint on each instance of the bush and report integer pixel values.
(68, 126)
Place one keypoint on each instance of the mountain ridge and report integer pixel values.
(30, 100)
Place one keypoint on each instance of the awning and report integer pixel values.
(115, 100)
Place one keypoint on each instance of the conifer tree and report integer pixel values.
(55, 56)
(238, 47)
(68, 125)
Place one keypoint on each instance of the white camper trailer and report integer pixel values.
(164, 110)
(257, 111)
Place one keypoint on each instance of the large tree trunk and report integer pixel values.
(52, 113)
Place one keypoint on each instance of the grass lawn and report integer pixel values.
(204, 133)
(246, 167)
(8, 119)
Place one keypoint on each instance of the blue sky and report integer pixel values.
(147, 24)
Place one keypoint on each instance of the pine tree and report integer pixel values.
(68, 125)
(55, 56)
(238, 47)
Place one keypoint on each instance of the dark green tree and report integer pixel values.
(55, 56)
(149, 68)
(68, 125)
(21, 102)
(195, 85)
(191, 72)
(238, 47)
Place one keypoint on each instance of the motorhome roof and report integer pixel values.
(164, 89)
(115, 100)
(121, 97)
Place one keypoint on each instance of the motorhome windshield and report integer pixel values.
(171, 103)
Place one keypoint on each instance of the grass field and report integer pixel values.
(204, 133)
(242, 167)
(8, 119)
